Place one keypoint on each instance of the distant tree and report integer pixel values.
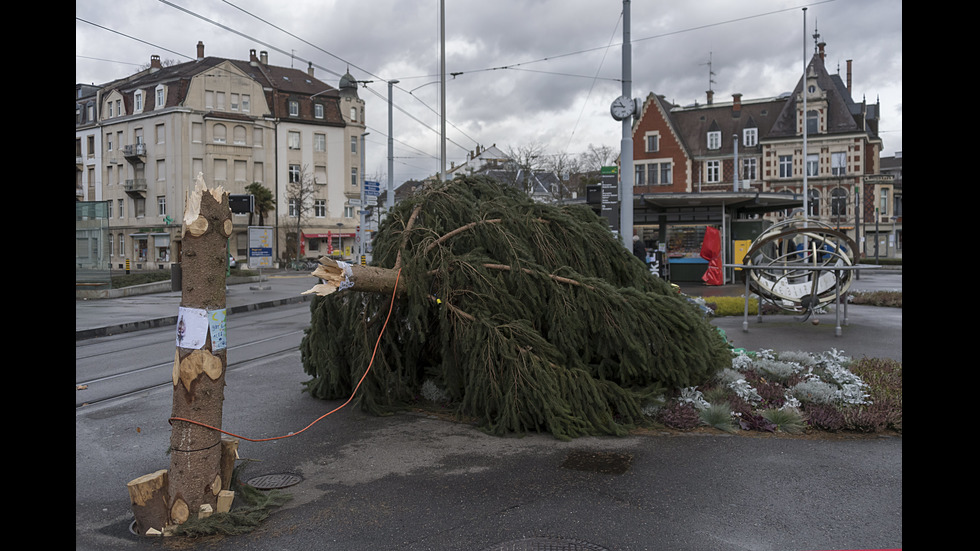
(596, 157)
(264, 201)
(525, 161)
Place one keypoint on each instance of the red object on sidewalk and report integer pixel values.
(711, 251)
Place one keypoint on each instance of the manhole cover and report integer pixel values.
(546, 544)
(598, 462)
(274, 481)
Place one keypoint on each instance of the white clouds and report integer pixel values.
(526, 68)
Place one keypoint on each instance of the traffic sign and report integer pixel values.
(372, 188)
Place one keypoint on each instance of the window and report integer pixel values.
(785, 166)
(666, 171)
(813, 203)
(108, 210)
(319, 142)
(883, 196)
(139, 206)
(219, 101)
(294, 207)
(838, 202)
(640, 177)
(246, 103)
(353, 177)
(209, 99)
(318, 110)
(110, 109)
(160, 97)
(812, 122)
(119, 110)
(652, 143)
(348, 212)
(138, 101)
(294, 174)
(838, 163)
(293, 108)
(713, 171)
(812, 164)
(353, 114)
(122, 245)
(714, 140)
(293, 140)
(122, 207)
(161, 205)
(750, 137)
(320, 208)
(749, 169)
(234, 101)
(220, 133)
(353, 145)
(239, 133)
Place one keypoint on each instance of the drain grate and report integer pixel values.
(598, 462)
(546, 544)
(274, 481)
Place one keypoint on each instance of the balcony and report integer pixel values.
(135, 186)
(134, 152)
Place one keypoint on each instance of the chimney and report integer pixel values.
(252, 59)
(711, 97)
(264, 57)
(849, 76)
(155, 63)
(736, 104)
(820, 47)
(309, 69)
(200, 50)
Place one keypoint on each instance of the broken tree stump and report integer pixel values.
(200, 360)
(149, 497)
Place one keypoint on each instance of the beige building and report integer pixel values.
(237, 123)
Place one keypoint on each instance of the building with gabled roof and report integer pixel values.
(237, 122)
(757, 146)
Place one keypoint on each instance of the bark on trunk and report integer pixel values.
(149, 500)
(200, 360)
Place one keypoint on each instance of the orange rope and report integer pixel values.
(390, 308)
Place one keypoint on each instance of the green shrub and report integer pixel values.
(731, 306)
(786, 419)
(718, 416)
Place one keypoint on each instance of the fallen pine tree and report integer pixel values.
(527, 317)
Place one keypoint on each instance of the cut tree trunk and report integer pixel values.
(200, 360)
(149, 499)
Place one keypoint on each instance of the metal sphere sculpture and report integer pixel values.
(793, 265)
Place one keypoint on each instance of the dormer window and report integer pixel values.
(812, 122)
(138, 101)
(714, 140)
(318, 110)
(750, 137)
(161, 97)
(293, 108)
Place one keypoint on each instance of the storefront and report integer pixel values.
(331, 243)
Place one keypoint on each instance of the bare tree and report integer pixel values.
(300, 193)
(526, 159)
(563, 166)
(596, 157)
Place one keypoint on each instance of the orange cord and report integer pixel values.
(390, 308)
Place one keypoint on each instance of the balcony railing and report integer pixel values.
(134, 150)
(135, 184)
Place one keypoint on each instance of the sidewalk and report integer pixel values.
(110, 316)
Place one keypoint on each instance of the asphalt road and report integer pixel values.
(415, 482)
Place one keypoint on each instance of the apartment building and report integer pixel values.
(237, 122)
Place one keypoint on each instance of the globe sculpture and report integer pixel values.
(796, 265)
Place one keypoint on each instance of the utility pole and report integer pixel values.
(390, 198)
(626, 144)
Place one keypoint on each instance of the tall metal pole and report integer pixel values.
(361, 210)
(806, 192)
(442, 84)
(390, 198)
(626, 144)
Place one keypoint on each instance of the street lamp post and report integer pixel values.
(390, 198)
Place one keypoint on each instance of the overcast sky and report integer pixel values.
(527, 72)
